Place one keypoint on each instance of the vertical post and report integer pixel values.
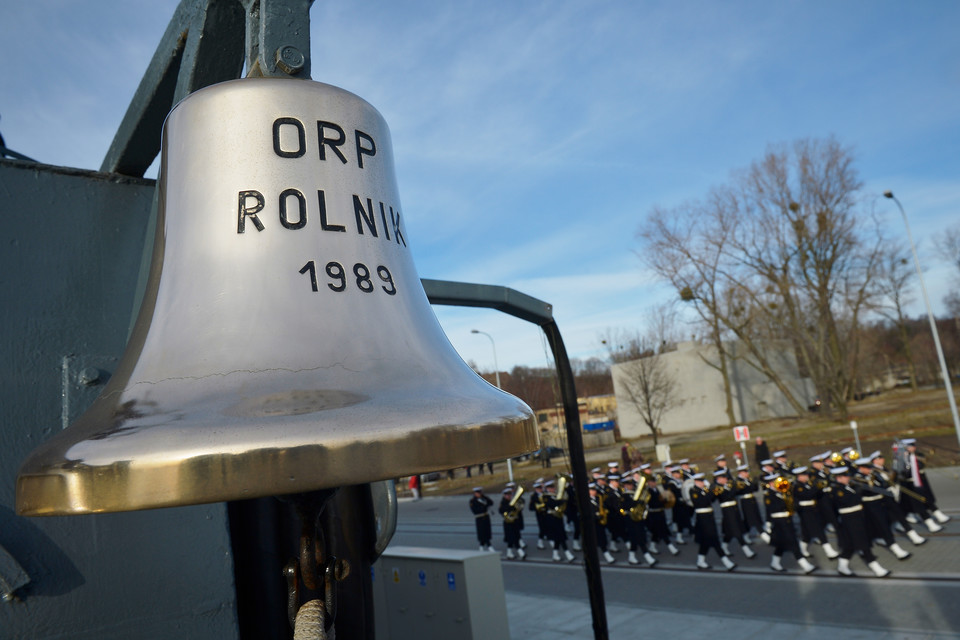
(578, 464)
(496, 372)
(933, 324)
(856, 435)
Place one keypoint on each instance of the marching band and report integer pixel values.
(857, 498)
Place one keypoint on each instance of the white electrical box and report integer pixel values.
(421, 593)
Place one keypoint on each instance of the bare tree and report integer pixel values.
(645, 379)
(894, 277)
(785, 252)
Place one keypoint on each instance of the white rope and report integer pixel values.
(309, 622)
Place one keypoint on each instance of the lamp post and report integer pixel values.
(933, 325)
(496, 372)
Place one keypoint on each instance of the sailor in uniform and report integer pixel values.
(812, 529)
(915, 479)
(511, 524)
(537, 506)
(480, 507)
(705, 526)
(554, 506)
(783, 537)
(656, 516)
(635, 530)
(600, 514)
(730, 521)
(745, 488)
(682, 512)
(852, 533)
(884, 478)
(878, 521)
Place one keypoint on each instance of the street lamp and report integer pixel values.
(496, 371)
(933, 325)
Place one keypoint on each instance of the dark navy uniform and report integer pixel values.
(480, 506)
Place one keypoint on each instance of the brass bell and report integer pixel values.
(285, 343)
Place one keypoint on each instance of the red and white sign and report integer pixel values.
(741, 433)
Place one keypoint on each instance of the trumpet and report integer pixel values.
(783, 485)
(836, 457)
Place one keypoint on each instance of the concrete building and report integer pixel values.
(700, 402)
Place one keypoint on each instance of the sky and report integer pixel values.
(532, 138)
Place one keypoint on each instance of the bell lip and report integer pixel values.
(71, 488)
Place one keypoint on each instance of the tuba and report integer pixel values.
(516, 506)
(560, 498)
(641, 497)
(602, 511)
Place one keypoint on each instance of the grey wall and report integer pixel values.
(700, 391)
(72, 244)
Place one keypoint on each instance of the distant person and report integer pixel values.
(761, 451)
(480, 507)
(415, 486)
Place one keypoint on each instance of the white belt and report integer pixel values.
(731, 503)
(807, 503)
(748, 496)
(871, 498)
(780, 514)
(859, 507)
(705, 510)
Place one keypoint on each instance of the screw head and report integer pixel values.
(290, 60)
(89, 376)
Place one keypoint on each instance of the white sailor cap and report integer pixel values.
(742, 467)
(720, 457)
(614, 477)
(628, 479)
(592, 485)
(549, 483)
(798, 470)
(611, 465)
(909, 441)
(507, 490)
(537, 484)
(510, 484)
(877, 454)
(845, 450)
(817, 458)
(676, 470)
(780, 454)
(766, 463)
(840, 471)
(719, 474)
(644, 466)
(540, 480)
(478, 489)
(864, 461)
(633, 471)
(595, 470)
(698, 476)
(684, 461)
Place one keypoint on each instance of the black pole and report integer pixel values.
(578, 463)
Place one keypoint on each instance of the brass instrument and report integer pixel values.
(641, 497)
(602, 511)
(783, 485)
(836, 457)
(516, 507)
(854, 455)
(560, 498)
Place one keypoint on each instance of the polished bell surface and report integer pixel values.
(285, 343)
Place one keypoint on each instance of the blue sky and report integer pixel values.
(531, 138)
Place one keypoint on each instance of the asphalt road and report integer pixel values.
(919, 599)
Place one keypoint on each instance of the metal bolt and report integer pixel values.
(341, 570)
(89, 376)
(290, 60)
